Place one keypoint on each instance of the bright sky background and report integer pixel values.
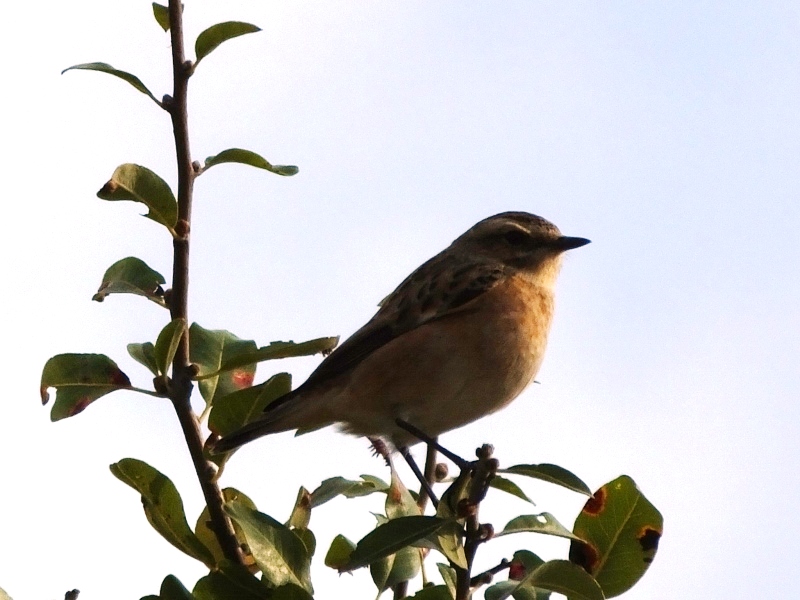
(667, 133)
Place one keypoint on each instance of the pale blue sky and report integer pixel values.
(667, 133)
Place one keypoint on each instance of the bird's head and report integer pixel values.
(519, 240)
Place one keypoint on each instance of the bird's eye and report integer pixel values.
(515, 237)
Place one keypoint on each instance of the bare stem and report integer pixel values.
(486, 577)
(428, 473)
(484, 470)
(181, 388)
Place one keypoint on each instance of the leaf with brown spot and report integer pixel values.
(404, 564)
(301, 513)
(209, 350)
(620, 529)
(559, 576)
(79, 380)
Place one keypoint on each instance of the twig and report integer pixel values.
(180, 389)
(484, 471)
(487, 576)
(400, 590)
(429, 474)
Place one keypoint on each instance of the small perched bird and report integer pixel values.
(460, 338)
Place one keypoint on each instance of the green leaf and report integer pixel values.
(144, 354)
(404, 564)
(163, 506)
(161, 14)
(564, 577)
(621, 530)
(541, 523)
(207, 536)
(209, 350)
(131, 276)
(433, 592)
(308, 538)
(551, 473)
(167, 344)
(512, 589)
(336, 486)
(399, 501)
(277, 350)
(248, 157)
(230, 581)
(301, 513)
(448, 574)
(79, 379)
(390, 570)
(106, 68)
(379, 484)
(139, 184)
(339, 552)
(278, 552)
(509, 487)
(290, 591)
(211, 38)
(173, 589)
(448, 541)
(235, 410)
(390, 537)
(457, 491)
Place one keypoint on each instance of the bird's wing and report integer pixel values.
(438, 288)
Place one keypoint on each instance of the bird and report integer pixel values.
(459, 338)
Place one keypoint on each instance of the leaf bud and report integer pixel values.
(182, 228)
(466, 508)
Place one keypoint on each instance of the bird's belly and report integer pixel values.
(451, 371)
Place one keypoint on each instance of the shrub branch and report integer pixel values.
(181, 386)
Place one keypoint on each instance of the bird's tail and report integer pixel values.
(284, 414)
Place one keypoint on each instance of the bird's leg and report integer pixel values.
(426, 486)
(423, 437)
(380, 448)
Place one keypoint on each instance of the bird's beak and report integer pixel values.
(565, 243)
